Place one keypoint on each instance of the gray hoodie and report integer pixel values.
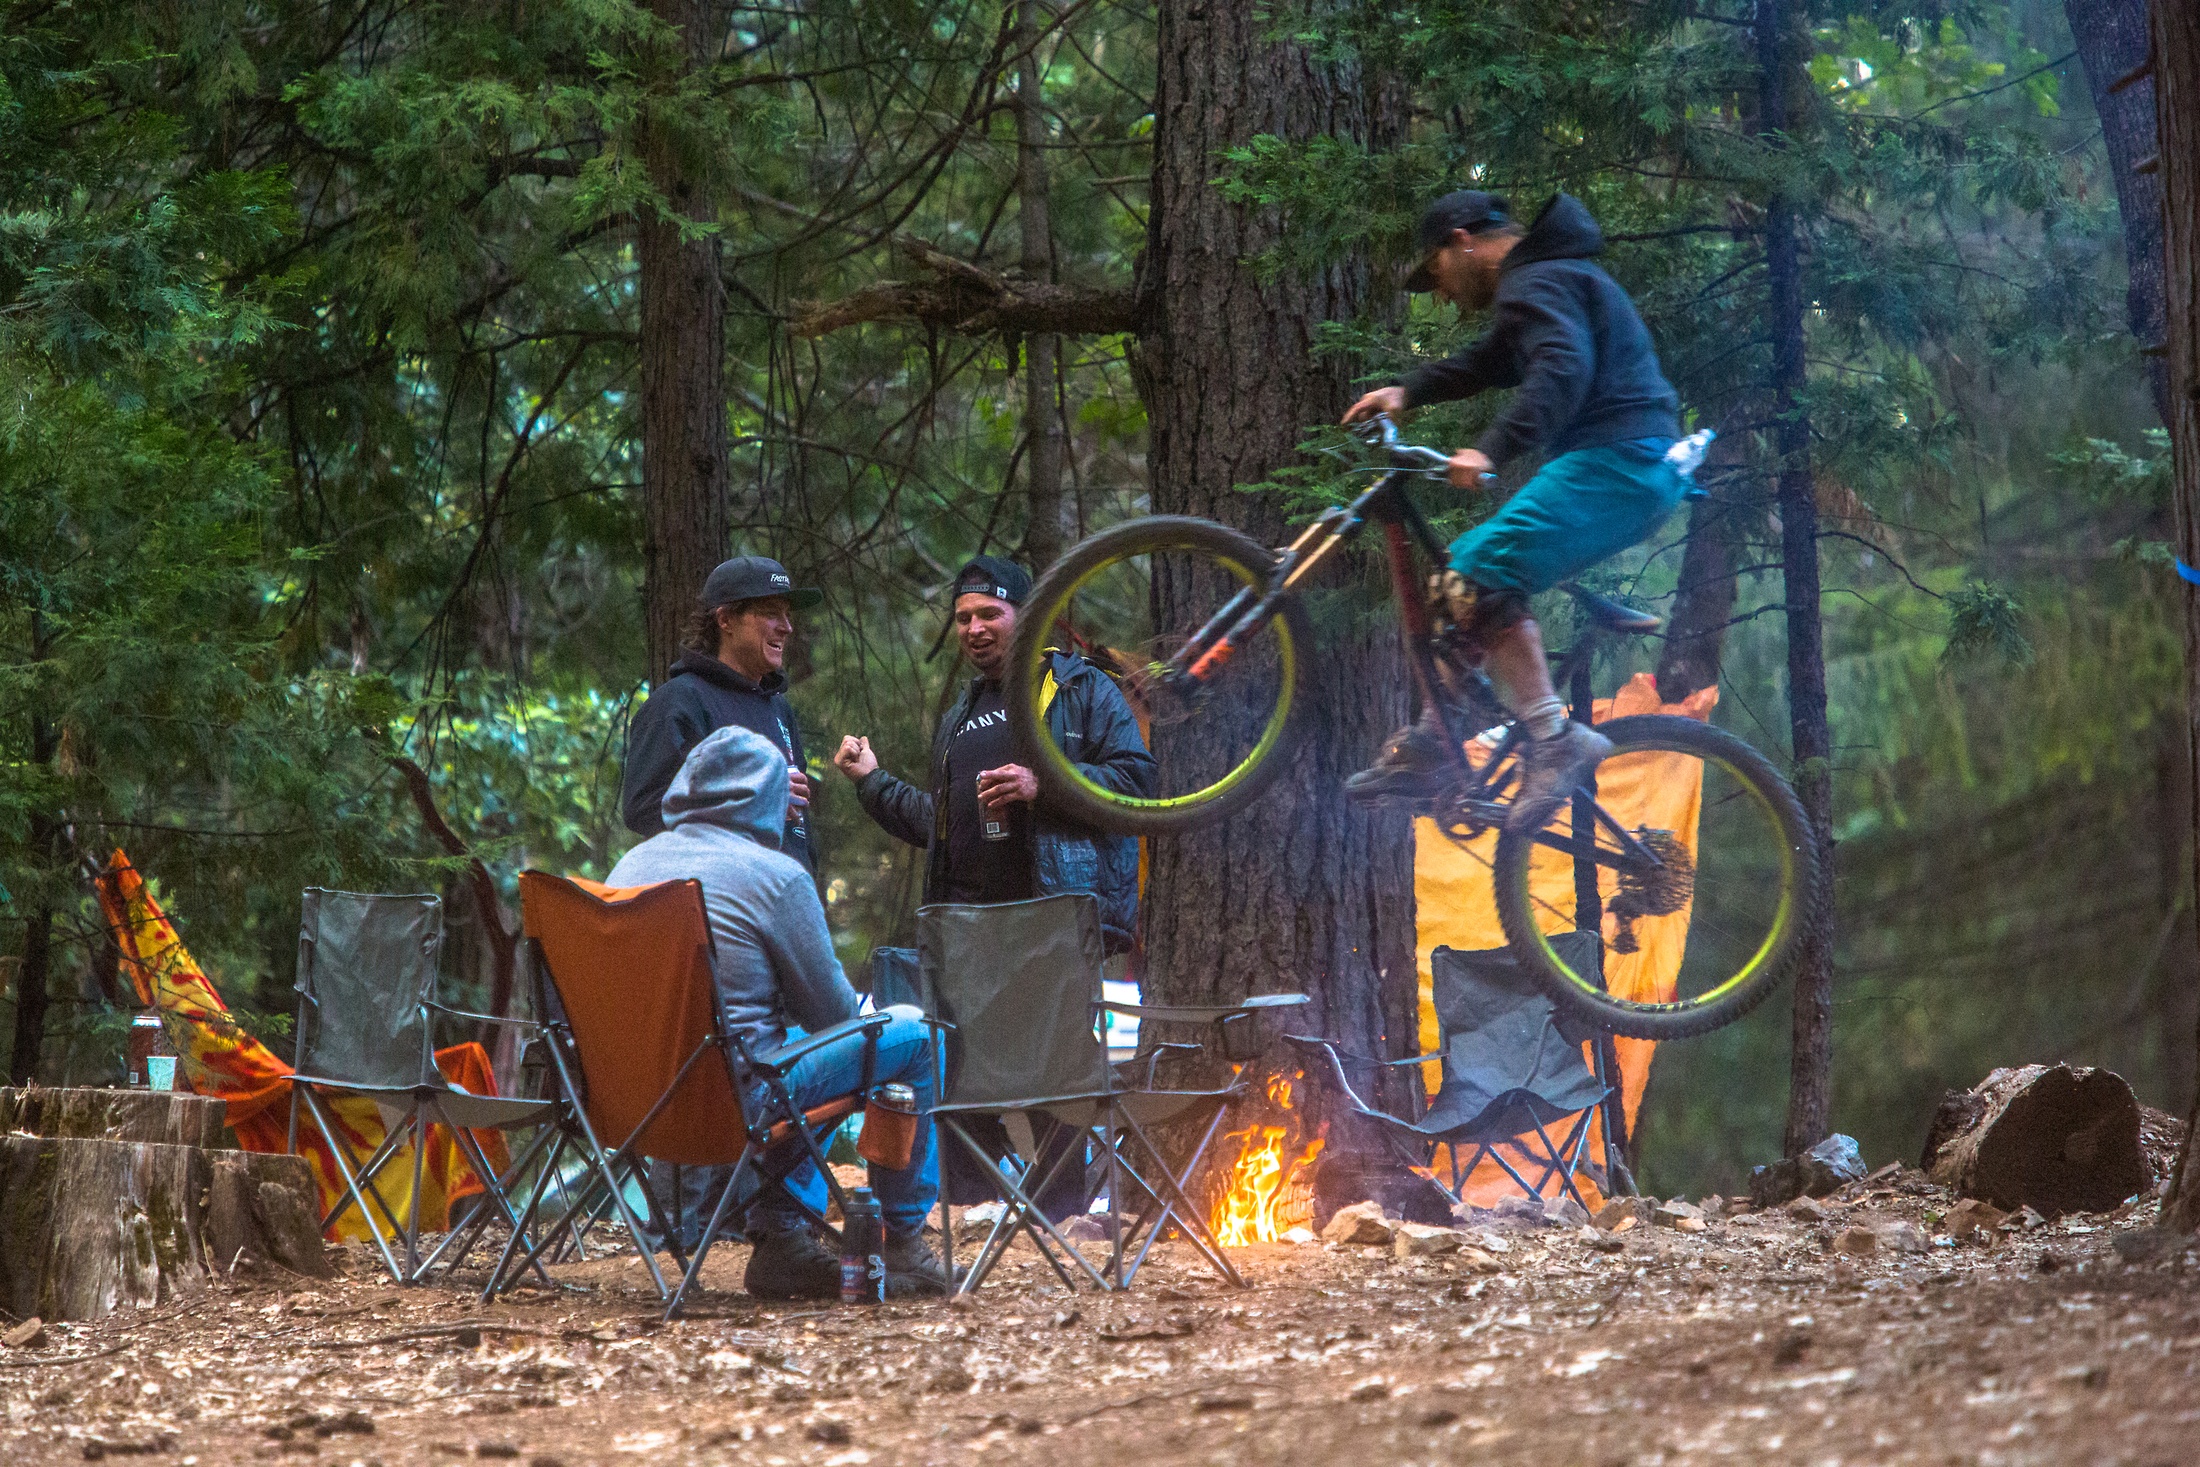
(773, 955)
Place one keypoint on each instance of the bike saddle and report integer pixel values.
(1613, 616)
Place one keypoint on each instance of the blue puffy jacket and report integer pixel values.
(1091, 723)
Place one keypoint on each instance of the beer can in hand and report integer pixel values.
(995, 821)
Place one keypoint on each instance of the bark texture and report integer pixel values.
(2050, 1137)
(260, 1209)
(1810, 1074)
(1703, 603)
(683, 343)
(2176, 31)
(1042, 423)
(1303, 893)
(2111, 37)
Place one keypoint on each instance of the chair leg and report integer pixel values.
(1187, 1216)
(709, 1237)
(475, 1158)
(419, 1127)
(512, 1244)
(337, 1150)
(1022, 1213)
(463, 1238)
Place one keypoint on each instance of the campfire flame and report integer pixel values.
(1251, 1209)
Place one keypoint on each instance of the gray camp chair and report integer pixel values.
(1016, 987)
(366, 1004)
(1512, 1069)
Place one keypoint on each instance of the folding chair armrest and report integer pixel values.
(1203, 1013)
(1154, 1056)
(777, 1061)
(1304, 1041)
(483, 1018)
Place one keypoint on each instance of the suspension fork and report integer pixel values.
(1209, 648)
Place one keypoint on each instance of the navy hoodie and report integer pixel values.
(702, 696)
(1568, 337)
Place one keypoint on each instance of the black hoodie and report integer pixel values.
(1568, 337)
(702, 696)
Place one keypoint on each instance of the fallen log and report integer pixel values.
(2052, 1137)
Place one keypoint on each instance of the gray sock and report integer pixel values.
(1545, 718)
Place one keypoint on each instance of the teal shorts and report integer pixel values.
(1582, 507)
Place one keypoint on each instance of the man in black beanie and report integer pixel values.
(984, 838)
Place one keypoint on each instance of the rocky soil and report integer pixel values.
(1859, 1329)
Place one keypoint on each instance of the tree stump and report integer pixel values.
(88, 1226)
(119, 1198)
(261, 1208)
(171, 1117)
(2049, 1136)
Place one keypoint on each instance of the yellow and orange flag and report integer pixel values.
(218, 1057)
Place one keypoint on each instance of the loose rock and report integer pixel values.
(1361, 1225)
(1856, 1242)
(1419, 1240)
(1826, 1167)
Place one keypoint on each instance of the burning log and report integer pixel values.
(2056, 1138)
(1266, 1192)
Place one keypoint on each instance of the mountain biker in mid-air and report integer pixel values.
(1590, 394)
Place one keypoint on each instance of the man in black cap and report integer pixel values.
(984, 838)
(1590, 394)
(730, 673)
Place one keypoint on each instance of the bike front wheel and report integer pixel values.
(1130, 599)
(1716, 888)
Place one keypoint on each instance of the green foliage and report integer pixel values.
(1983, 620)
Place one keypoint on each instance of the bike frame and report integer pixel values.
(1404, 528)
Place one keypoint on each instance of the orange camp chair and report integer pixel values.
(624, 984)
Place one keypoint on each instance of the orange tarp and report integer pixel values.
(1452, 890)
(217, 1057)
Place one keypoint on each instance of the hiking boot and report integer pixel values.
(1552, 769)
(794, 1265)
(1412, 766)
(914, 1271)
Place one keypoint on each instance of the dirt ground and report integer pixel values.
(2072, 1341)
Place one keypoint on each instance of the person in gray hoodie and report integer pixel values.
(777, 978)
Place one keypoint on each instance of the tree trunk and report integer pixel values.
(2111, 37)
(34, 970)
(1811, 1061)
(2177, 124)
(1303, 893)
(1703, 603)
(684, 512)
(1042, 421)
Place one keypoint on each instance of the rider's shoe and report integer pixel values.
(1412, 766)
(1553, 768)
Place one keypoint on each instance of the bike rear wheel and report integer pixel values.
(1732, 884)
(1129, 598)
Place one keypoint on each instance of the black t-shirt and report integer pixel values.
(978, 869)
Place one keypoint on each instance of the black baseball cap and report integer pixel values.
(990, 575)
(1467, 208)
(752, 578)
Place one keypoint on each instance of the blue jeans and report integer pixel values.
(905, 1197)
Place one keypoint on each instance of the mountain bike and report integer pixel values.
(1210, 634)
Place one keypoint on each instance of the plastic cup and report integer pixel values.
(160, 1072)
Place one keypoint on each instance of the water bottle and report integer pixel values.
(862, 1250)
(1686, 456)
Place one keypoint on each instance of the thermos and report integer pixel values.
(862, 1250)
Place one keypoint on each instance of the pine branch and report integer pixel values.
(965, 298)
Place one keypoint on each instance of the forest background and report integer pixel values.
(323, 506)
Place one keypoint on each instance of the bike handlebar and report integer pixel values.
(1380, 432)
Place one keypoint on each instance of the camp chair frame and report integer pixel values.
(777, 1138)
(426, 1098)
(1116, 1107)
(1507, 1120)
